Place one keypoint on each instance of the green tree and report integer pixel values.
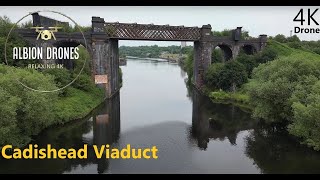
(212, 77)
(306, 111)
(14, 40)
(293, 38)
(30, 111)
(226, 32)
(280, 38)
(232, 76)
(273, 83)
(217, 56)
(268, 54)
(9, 131)
(248, 61)
(188, 66)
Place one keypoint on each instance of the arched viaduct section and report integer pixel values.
(102, 43)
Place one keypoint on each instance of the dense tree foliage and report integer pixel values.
(188, 65)
(306, 111)
(232, 75)
(25, 113)
(217, 56)
(212, 77)
(14, 40)
(228, 32)
(248, 61)
(280, 38)
(228, 76)
(288, 89)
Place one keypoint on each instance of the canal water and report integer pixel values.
(193, 135)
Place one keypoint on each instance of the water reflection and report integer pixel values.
(214, 121)
(193, 134)
(274, 151)
(101, 127)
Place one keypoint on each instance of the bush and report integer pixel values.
(9, 131)
(14, 41)
(232, 76)
(77, 104)
(212, 76)
(306, 112)
(248, 61)
(280, 38)
(273, 84)
(228, 76)
(62, 77)
(293, 38)
(188, 66)
(228, 96)
(268, 54)
(84, 57)
(295, 45)
(83, 82)
(217, 56)
(24, 112)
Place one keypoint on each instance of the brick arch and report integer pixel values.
(249, 48)
(226, 49)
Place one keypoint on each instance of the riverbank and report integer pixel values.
(77, 105)
(173, 57)
(26, 113)
(239, 98)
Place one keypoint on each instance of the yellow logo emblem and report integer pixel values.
(46, 34)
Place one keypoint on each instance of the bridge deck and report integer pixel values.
(126, 31)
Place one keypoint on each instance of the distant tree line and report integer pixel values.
(151, 51)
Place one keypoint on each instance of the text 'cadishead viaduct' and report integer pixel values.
(102, 44)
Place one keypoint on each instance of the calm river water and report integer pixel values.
(193, 135)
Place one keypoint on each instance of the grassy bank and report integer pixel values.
(238, 99)
(77, 105)
(25, 113)
(280, 85)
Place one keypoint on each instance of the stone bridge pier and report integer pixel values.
(202, 55)
(105, 58)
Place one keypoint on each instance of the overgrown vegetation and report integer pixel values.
(287, 89)
(228, 32)
(280, 84)
(25, 113)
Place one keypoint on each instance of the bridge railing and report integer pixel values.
(152, 32)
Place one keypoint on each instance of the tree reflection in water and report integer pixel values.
(215, 121)
(271, 148)
(274, 151)
(101, 127)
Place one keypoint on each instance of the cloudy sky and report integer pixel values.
(256, 20)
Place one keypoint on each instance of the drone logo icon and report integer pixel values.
(46, 34)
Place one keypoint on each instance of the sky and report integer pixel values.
(270, 20)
